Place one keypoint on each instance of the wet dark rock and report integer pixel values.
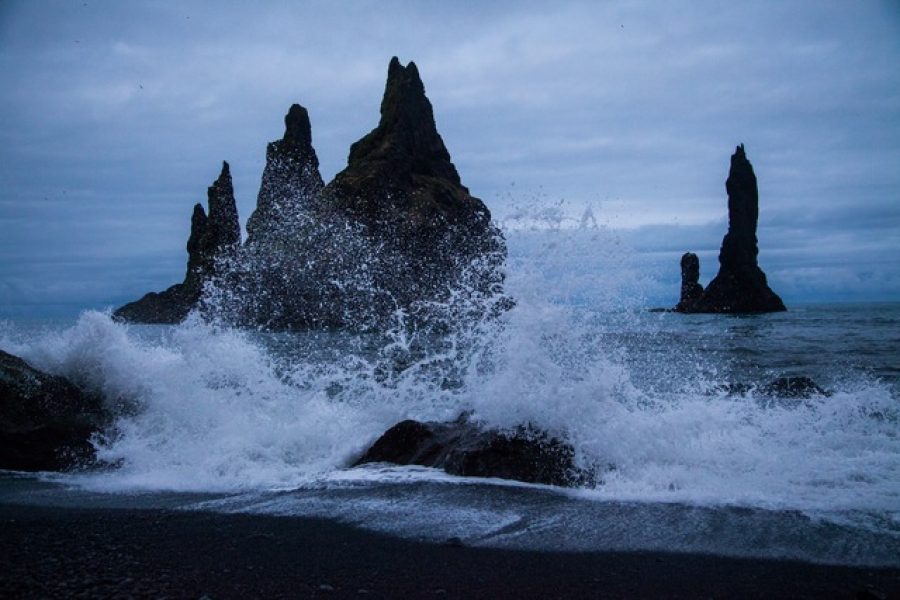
(45, 421)
(783, 387)
(793, 387)
(396, 231)
(740, 286)
(213, 238)
(402, 187)
(464, 448)
(691, 290)
(291, 183)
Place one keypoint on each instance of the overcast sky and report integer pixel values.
(116, 115)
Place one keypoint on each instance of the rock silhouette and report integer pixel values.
(212, 238)
(402, 187)
(46, 423)
(291, 183)
(740, 286)
(691, 290)
(395, 230)
(463, 448)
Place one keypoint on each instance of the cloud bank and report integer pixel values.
(117, 117)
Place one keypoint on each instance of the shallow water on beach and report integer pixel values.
(223, 419)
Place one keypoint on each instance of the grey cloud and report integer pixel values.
(118, 115)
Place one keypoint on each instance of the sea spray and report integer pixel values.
(644, 398)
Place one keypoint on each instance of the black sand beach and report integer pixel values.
(108, 553)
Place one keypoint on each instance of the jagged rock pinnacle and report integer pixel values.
(297, 129)
(224, 226)
(691, 290)
(401, 185)
(214, 234)
(291, 183)
(740, 286)
(396, 228)
(406, 135)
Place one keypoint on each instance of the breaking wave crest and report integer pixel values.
(641, 397)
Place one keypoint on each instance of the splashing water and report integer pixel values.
(203, 407)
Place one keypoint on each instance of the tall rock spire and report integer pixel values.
(691, 290)
(397, 166)
(291, 182)
(402, 187)
(740, 286)
(214, 235)
(225, 228)
(395, 230)
(406, 138)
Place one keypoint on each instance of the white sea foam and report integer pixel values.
(207, 408)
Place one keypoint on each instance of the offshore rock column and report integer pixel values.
(740, 286)
(213, 238)
(394, 232)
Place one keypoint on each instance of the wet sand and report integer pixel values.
(102, 553)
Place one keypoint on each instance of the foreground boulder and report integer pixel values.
(464, 448)
(212, 237)
(740, 286)
(46, 423)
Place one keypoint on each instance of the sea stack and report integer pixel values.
(691, 290)
(740, 286)
(394, 231)
(402, 187)
(213, 237)
(291, 183)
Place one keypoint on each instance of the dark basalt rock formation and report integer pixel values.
(402, 187)
(394, 230)
(463, 448)
(212, 238)
(46, 423)
(691, 290)
(300, 263)
(291, 183)
(740, 286)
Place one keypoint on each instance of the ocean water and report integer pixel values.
(216, 418)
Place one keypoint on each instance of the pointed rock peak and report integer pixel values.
(406, 140)
(297, 129)
(741, 173)
(223, 217)
(404, 93)
(222, 188)
(223, 182)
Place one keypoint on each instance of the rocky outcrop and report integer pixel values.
(402, 187)
(740, 286)
(691, 290)
(212, 238)
(394, 233)
(464, 448)
(291, 184)
(46, 423)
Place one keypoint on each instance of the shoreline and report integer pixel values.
(107, 552)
